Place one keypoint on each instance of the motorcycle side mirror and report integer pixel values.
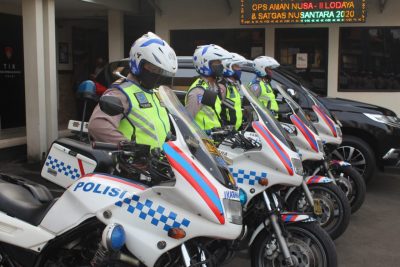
(209, 98)
(292, 93)
(111, 105)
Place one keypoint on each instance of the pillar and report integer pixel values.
(115, 35)
(35, 97)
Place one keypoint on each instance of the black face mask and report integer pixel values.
(217, 70)
(150, 80)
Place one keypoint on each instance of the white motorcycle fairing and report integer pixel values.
(274, 160)
(308, 144)
(196, 202)
(328, 130)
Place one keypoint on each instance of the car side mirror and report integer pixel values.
(111, 105)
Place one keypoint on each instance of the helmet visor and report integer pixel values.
(157, 70)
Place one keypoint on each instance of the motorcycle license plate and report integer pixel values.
(317, 207)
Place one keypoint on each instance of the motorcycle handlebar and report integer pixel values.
(104, 146)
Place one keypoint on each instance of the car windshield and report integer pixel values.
(269, 121)
(200, 145)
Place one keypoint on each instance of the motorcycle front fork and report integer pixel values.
(328, 171)
(186, 257)
(277, 228)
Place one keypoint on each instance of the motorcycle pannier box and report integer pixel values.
(64, 166)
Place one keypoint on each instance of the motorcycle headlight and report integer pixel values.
(389, 120)
(233, 211)
(298, 166)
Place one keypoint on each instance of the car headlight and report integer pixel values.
(389, 120)
(298, 166)
(233, 211)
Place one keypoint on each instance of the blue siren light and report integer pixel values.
(242, 196)
(114, 237)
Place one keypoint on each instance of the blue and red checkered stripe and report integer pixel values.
(196, 179)
(305, 131)
(274, 144)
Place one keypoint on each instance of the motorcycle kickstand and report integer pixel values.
(278, 232)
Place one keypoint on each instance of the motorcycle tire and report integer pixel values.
(364, 154)
(308, 244)
(335, 207)
(358, 187)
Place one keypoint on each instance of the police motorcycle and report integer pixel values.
(261, 169)
(107, 220)
(327, 201)
(318, 196)
(328, 129)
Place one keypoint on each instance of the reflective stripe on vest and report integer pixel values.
(234, 116)
(207, 117)
(267, 95)
(148, 116)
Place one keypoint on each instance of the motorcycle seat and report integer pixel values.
(17, 201)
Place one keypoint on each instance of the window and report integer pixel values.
(369, 59)
(304, 52)
(249, 43)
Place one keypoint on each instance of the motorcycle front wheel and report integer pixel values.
(309, 245)
(334, 213)
(352, 184)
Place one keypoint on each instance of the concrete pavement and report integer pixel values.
(373, 236)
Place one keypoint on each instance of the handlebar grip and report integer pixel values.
(104, 146)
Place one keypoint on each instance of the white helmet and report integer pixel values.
(262, 62)
(235, 60)
(151, 48)
(204, 54)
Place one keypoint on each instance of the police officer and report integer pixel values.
(207, 60)
(232, 75)
(152, 63)
(261, 84)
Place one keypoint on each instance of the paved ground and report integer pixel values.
(373, 236)
(372, 239)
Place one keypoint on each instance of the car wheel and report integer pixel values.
(357, 152)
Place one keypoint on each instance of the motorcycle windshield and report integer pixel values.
(265, 115)
(199, 144)
(317, 102)
(294, 107)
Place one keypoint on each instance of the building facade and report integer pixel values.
(340, 52)
(52, 39)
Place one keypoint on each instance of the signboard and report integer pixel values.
(301, 60)
(302, 11)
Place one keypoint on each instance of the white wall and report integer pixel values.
(214, 14)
